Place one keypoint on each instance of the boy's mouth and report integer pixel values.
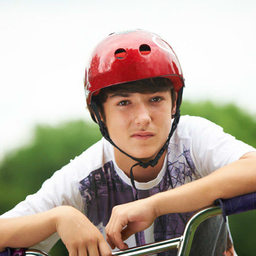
(142, 135)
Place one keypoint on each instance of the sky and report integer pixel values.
(45, 46)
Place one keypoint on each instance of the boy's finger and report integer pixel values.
(104, 249)
(116, 241)
(126, 233)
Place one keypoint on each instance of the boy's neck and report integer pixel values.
(140, 174)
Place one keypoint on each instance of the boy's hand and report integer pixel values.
(128, 219)
(79, 235)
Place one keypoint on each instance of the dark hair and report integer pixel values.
(152, 85)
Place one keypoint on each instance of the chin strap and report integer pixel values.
(153, 162)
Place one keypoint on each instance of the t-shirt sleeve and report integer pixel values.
(212, 148)
(60, 189)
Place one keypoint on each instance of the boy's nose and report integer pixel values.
(142, 116)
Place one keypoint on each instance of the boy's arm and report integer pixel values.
(78, 234)
(232, 180)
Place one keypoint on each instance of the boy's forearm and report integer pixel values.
(27, 231)
(232, 180)
(76, 231)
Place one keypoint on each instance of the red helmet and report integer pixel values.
(130, 56)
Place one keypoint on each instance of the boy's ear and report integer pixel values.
(96, 118)
(174, 104)
(95, 112)
(101, 118)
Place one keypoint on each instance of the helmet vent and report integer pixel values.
(120, 53)
(145, 49)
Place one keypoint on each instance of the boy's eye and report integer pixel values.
(123, 103)
(156, 99)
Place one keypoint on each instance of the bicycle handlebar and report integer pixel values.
(237, 204)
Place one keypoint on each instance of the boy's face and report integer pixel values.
(138, 123)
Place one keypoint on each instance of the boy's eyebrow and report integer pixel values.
(119, 94)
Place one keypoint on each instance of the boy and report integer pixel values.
(134, 89)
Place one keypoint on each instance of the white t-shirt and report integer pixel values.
(93, 183)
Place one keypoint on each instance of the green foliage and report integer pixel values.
(23, 171)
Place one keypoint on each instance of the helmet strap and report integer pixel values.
(153, 162)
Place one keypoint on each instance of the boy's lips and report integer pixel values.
(143, 135)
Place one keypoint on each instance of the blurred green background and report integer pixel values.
(22, 171)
